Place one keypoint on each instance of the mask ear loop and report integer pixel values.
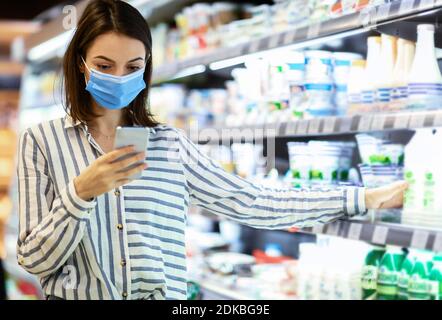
(84, 62)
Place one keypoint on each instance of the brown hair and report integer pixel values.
(99, 17)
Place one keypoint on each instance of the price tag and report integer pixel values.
(254, 46)
(290, 129)
(383, 12)
(289, 37)
(367, 16)
(437, 122)
(274, 40)
(302, 127)
(378, 123)
(417, 120)
(329, 125)
(314, 126)
(380, 235)
(318, 228)
(365, 123)
(333, 229)
(313, 30)
(437, 246)
(401, 121)
(236, 51)
(424, 4)
(355, 230)
(406, 6)
(419, 239)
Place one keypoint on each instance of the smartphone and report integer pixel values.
(136, 136)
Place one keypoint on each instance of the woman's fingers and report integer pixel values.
(128, 173)
(122, 164)
(115, 154)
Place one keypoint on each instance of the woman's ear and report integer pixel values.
(81, 65)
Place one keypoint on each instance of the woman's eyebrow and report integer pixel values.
(104, 58)
(136, 59)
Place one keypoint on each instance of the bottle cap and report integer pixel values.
(374, 39)
(358, 63)
(425, 27)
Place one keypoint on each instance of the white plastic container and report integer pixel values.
(416, 156)
(356, 87)
(401, 73)
(425, 82)
(386, 72)
(295, 75)
(341, 70)
(300, 163)
(318, 84)
(371, 76)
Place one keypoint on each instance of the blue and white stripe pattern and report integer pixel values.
(130, 243)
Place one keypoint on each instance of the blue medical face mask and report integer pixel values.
(114, 92)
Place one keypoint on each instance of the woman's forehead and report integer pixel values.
(116, 47)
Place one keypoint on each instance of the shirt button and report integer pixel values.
(117, 193)
(124, 294)
(123, 262)
(119, 226)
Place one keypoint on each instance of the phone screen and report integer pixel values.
(136, 136)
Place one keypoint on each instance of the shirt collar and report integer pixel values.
(70, 123)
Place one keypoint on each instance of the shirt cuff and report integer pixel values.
(75, 206)
(354, 201)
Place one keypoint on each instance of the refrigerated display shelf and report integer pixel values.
(364, 20)
(372, 231)
(321, 126)
(382, 233)
(214, 291)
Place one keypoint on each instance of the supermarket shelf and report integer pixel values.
(373, 231)
(382, 233)
(152, 10)
(359, 22)
(321, 126)
(213, 291)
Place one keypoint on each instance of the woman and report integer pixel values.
(90, 233)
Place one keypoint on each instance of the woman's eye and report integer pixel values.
(134, 68)
(103, 67)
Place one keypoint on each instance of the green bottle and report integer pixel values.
(419, 285)
(436, 278)
(404, 275)
(389, 269)
(369, 275)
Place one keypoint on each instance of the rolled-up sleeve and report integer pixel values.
(50, 228)
(231, 196)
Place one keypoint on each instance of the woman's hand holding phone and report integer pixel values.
(108, 172)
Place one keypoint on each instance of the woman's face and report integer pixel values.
(115, 54)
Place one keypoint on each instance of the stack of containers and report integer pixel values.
(299, 159)
(331, 162)
(342, 62)
(295, 76)
(319, 163)
(319, 83)
(382, 163)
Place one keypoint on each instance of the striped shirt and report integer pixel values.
(129, 243)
